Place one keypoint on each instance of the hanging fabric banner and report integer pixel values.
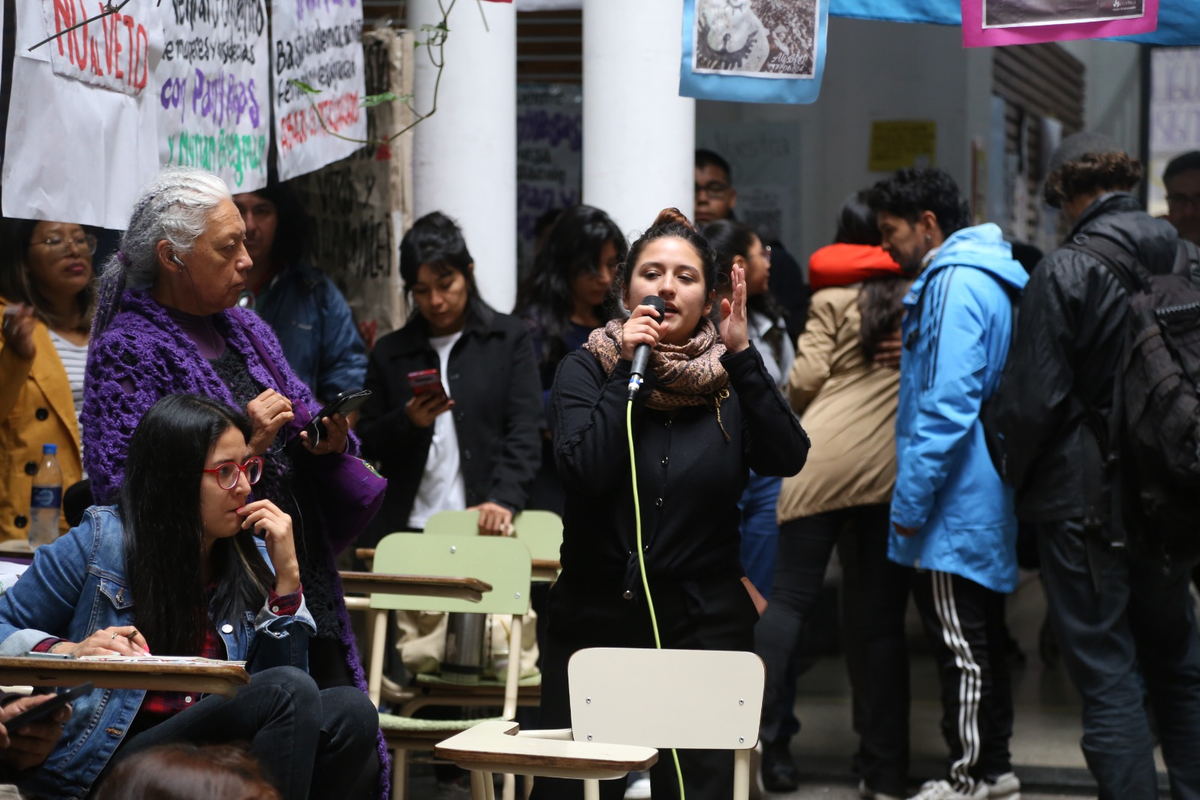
(319, 44)
(762, 51)
(82, 123)
(213, 86)
(988, 23)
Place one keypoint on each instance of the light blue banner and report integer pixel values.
(779, 59)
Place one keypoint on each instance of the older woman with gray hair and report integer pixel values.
(166, 323)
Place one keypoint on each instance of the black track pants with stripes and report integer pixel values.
(965, 624)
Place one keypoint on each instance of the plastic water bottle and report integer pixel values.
(45, 502)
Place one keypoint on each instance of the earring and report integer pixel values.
(928, 238)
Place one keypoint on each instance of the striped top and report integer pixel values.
(74, 360)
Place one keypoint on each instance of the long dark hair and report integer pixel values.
(573, 246)
(15, 283)
(436, 240)
(164, 538)
(880, 300)
(730, 239)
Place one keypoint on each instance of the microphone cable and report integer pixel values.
(641, 551)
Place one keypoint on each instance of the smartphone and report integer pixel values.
(343, 404)
(426, 381)
(44, 710)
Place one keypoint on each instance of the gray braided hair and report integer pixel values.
(175, 207)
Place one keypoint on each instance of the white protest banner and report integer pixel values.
(213, 86)
(319, 43)
(81, 124)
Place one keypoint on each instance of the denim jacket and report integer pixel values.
(76, 586)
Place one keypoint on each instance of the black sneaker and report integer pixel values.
(778, 770)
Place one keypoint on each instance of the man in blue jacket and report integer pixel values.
(952, 515)
(302, 305)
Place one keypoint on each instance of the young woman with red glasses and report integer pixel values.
(188, 563)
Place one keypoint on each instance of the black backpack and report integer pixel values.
(1152, 438)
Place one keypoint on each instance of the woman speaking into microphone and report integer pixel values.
(707, 412)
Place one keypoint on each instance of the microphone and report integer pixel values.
(641, 354)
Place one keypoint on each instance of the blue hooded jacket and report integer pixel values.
(956, 337)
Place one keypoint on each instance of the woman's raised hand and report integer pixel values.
(268, 412)
(275, 528)
(642, 327)
(18, 331)
(734, 330)
(117, 640)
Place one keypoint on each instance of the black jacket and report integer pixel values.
(1059, 376)
(497, 413)
(689, 477)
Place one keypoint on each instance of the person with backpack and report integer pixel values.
(951, 516)
(1081, 413)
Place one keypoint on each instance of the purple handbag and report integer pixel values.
(346, 491)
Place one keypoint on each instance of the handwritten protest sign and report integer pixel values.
(81, 124)
(213, 87)
(112, 52)
(319, 43)
(360, 206)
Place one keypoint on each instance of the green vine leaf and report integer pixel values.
(304, 87)
(372, 100)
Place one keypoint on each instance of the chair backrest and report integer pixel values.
(500, 561)
(682, 699)
(541, 531)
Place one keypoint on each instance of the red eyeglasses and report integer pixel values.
(227, 473)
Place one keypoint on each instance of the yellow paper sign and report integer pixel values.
(902, 143)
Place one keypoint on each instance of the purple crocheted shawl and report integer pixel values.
(143, 356)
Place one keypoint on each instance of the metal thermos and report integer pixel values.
(464, 648)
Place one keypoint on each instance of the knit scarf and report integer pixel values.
(689, 374)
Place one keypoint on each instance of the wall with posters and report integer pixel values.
(549, 156)
(1174, 113)
(362, 204)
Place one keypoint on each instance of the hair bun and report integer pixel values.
(673, 216)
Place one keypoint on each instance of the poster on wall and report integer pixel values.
(82, 127)
(988, 23)
(319, 44)
(213, 85)
(549, 157)
(1174, 115)
(757, 51)
(902, 143)
(765, 159)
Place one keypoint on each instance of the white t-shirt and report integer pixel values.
(442, 487)
(74, 361)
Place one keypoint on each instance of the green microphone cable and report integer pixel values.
(641, 551)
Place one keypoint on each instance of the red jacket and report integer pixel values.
(843, 264)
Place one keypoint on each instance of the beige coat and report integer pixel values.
(848, 407)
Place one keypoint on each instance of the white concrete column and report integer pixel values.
(639, 135)
(465, 155)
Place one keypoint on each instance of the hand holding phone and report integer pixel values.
(429, 398)
(46, 708)
(343, 404)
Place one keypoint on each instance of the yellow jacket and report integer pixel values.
(36, 408)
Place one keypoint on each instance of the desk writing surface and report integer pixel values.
(432, 585)
(151, 674)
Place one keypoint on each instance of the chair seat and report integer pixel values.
(494, 746)
(489, 684)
